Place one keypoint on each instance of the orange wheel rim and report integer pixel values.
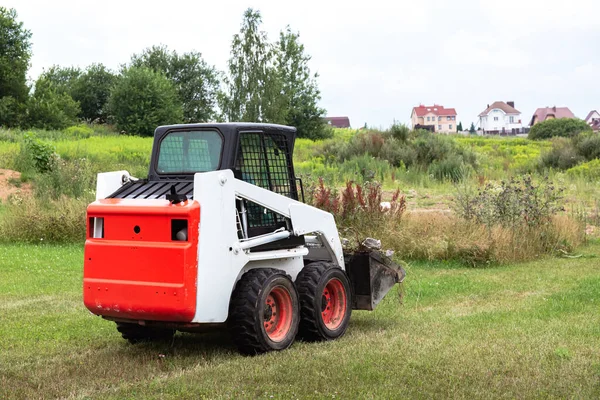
(277, 318)
(333, 304)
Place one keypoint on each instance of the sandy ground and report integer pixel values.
(7, 188)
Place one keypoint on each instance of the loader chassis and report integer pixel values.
(217, 235)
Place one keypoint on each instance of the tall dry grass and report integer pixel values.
(36, 220)
(444, 236)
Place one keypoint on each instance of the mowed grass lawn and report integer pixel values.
(523, 331)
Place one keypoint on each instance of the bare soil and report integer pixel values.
(10, 183)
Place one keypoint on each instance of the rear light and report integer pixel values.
(179, 230)
(96, 228)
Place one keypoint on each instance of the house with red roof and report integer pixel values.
(501, 118)
(436, 118)
(546, 113)
(338, 122)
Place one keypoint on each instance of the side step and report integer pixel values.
(372, 275)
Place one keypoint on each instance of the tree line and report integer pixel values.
(264, 82)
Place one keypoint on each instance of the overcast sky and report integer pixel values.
(376, 59)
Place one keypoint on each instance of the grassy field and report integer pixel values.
(520, 331)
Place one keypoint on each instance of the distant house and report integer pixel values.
(501, 118)
(338, 122)
(546, 113)
(435, 118)
(593, 120)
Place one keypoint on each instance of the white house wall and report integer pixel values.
(595, 115)
(488, 123)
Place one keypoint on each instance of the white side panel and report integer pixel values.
(108, 183)
(307, 219)
(218, 267)
(221, 259)
(292, 266)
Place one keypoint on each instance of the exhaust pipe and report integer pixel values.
(372, 275)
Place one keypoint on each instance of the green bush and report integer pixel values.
(35, 154)
(589, 146)
(589, 170)
(564, 127)
(142, 100)
(72, 178)
(400, 132)
(448, 169)
(417, 150)
(516, 202)
(562, 156)
(79, 131)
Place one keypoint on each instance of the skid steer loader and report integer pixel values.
(217, 236)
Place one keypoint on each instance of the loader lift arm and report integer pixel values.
(305, 219)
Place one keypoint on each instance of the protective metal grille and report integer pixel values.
(264, 161)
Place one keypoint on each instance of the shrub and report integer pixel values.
(142, 100)
(79, 132)
(564, 127)
(359, 206)
(448, 169)
(588, 146)
(72, 178)
(400, 132)
(563, 155)
(419, 150)
(517, 202)
(35, 154)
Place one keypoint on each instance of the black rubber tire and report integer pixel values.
(136, 333)
(311, 282)
(247, 311)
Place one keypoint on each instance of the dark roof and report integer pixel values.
(558, 112)
(500, 105)
(434, 109)
(338, 122)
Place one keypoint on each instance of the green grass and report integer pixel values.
(522, 331)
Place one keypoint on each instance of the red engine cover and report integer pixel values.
(136, 271)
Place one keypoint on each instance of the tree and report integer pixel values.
(564, 127)
(50, 107)
(459, 128)
(143, 99)
(298, 87)
(197, 83)
(15, 53)
(472, 128)
(253, 84)
(63, 79)
(92, 89)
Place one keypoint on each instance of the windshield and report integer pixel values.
(189, 152)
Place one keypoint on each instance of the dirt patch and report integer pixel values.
(10, 183)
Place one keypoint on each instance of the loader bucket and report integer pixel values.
(372, 275)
